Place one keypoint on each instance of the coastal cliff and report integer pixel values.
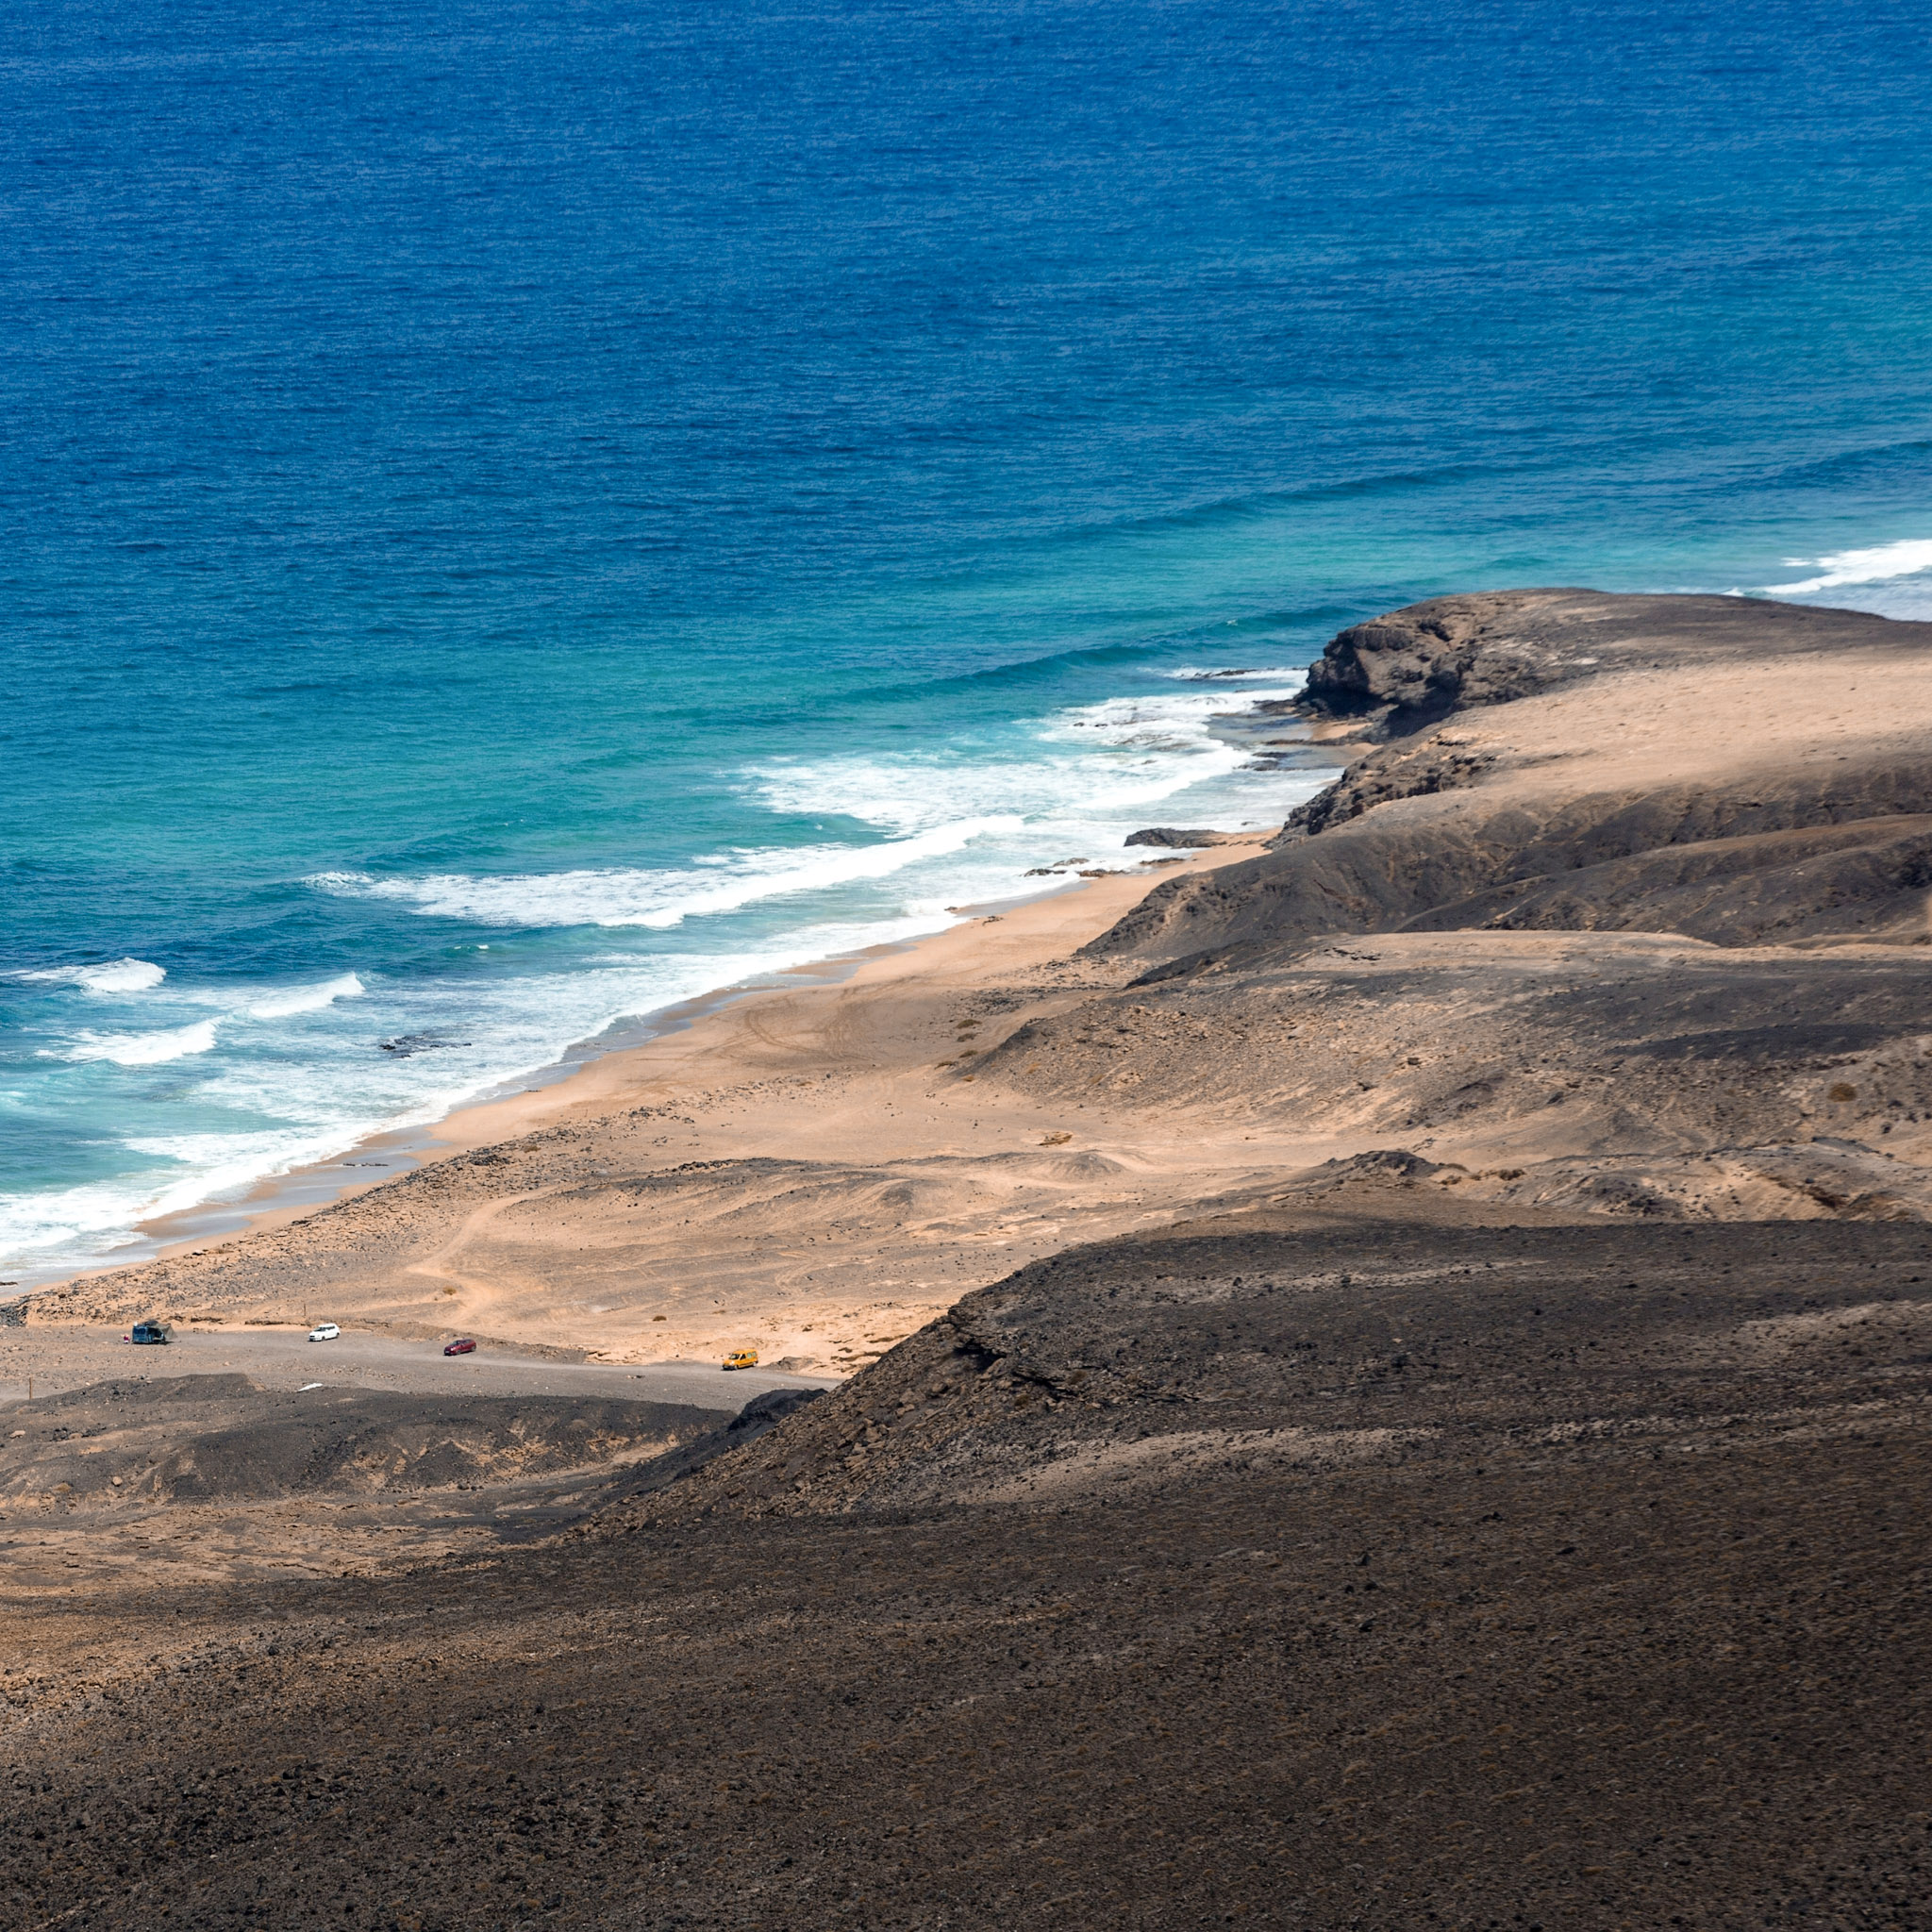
(1640, 883)
(1739, 772)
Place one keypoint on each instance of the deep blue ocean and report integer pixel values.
(513, 514)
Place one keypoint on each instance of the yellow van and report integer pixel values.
(741, 1358)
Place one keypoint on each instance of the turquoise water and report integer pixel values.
(516, 515)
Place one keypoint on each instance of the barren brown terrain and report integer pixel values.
(1391, 1390)
(1318, 1570)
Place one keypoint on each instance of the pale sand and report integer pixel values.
(865, 1179)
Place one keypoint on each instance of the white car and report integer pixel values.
(327, 1332)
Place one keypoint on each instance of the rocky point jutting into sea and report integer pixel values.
(1392, 1375)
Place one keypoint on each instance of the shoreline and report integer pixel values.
(817, 1167)
(1268, 740)
(278, 1199)
(569, 1086)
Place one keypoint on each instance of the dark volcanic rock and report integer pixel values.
(1382, 778)
(1174, 837)
(758, 1416)
(1442, 829)
(220, 1437)
(1416, 665)
(1421, 662)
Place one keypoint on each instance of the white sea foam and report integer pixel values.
(1169, 722)
(987, 813)
(79, 1223)
(1878, 565)
(1197, 674)
(1087, 766)
(959, 825)
(144, 1049)
(305, 999)
(116, 976)
(218, 1164)
(623, 895)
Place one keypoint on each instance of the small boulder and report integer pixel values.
(1177, 837)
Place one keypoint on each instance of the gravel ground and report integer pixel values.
(70, 1358)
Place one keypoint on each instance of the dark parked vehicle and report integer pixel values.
(152, 1331)
(461, 1348)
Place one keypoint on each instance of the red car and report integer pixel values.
(464, 1347)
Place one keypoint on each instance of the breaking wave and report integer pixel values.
(1874, 566)
(1196, 674)
(116, 976)
(144, 1049)
(623, 895)
(305, 999)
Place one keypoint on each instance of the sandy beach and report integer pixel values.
(814, 1171)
